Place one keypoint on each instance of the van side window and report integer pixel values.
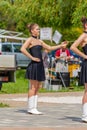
(6, 48)
(17, 48)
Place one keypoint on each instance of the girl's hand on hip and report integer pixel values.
(36, 59)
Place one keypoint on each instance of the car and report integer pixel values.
(13, 48)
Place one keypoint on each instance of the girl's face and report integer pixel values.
(36, 31)
(85, 25)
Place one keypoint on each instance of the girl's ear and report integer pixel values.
(31, 31)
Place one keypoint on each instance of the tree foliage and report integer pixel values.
(59, 14)
(46, 13)
(81, 10)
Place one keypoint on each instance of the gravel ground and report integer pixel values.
(6, 98)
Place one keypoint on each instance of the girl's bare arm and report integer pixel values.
(50, 48)
(79, 41)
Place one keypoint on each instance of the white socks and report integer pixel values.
(84, 116)
(32, 105)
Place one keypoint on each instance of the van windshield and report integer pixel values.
(17, 48)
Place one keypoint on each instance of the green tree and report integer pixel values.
(81, 10)
(47, 13)
(6, 13)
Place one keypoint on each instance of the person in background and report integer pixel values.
(82, 41)
(46, 63)
(63, 53)
(62, 56)
(45, 57)
(35, 70)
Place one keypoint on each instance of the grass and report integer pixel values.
(67, 89)
(4, 105)
(21, 85)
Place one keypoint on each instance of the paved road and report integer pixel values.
(61, 112)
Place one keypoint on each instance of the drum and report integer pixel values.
(65, 76)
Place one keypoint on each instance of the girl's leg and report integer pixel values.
(34, 87)
(32, 97)
(84, 102)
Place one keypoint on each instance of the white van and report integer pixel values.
(10, 48)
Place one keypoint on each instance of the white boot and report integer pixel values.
(84, 116)
(31, 106)
(35, 105)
